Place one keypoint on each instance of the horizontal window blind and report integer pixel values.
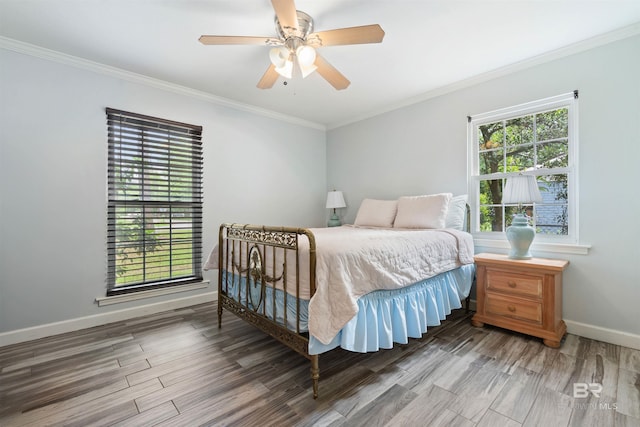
(154, 230)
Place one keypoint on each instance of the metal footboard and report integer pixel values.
(259, 264)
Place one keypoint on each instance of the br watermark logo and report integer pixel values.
(582, 390)
(585, 390)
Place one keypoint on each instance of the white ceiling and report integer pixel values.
(429, 44)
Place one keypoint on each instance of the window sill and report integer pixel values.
(559, 248)
(133, 296)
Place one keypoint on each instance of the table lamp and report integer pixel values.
(335, 200)
(521, 189)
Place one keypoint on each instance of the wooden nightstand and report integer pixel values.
(521, 295)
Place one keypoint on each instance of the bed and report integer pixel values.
(402, 267)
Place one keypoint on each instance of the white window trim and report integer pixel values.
(555, 244)
(559, 248)
(134, 296)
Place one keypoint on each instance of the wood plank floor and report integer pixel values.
(178, 369)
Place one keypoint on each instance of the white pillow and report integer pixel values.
(457, 213)
(422, 211)
(376, 213)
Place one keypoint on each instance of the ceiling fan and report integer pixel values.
(296, 43)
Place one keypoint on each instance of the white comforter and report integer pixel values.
(353, 261)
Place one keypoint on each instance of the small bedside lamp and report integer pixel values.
(521, 189)
(335, 200)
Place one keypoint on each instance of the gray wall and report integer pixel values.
(422, 149)
(53, 175)
(53, 158)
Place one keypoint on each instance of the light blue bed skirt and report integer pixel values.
(384, 317)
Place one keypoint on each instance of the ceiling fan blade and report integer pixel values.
(268, 78)
(214, 40)
(353, 35)
(286, 13)
(331, 74)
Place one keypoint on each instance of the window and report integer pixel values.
(154, 230)
(540, 139)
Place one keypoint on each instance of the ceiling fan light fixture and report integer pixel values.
(286, 70)
(306, 55)
(279, 56)
(306, 70)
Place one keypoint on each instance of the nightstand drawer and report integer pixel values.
(517, 309)
(514, 283)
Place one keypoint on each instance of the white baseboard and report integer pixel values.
(597, 333)
(21, 335)
(41, 331)
(611, 336)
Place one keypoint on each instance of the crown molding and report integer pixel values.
(593, 42)
(74, 61)
(52, 55)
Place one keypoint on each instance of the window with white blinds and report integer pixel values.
(154, 230)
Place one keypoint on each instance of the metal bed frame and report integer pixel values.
(252, 245)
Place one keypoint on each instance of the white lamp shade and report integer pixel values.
(307, 69)
(306, 55)
(286, 70)
(521, 189)
(335, 200)
(279, 56)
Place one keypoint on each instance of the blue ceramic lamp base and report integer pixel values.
(520, 236)
(334, 221)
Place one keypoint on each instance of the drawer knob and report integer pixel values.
(511, 308)
(512, 284)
